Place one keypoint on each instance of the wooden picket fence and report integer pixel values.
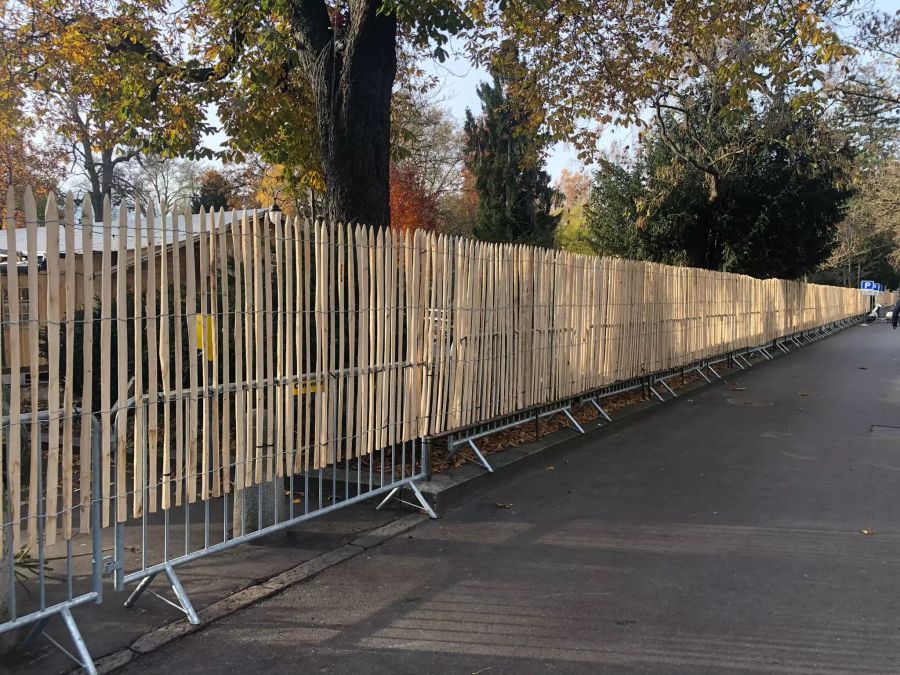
(222, 350)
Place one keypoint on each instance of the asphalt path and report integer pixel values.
(723, 532)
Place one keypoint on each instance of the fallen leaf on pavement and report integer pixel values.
(803, 393)
(501, 505)
(550, 468)
(736, 388)
(865, 531)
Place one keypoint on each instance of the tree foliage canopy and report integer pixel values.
(506, 159)
(773, 212)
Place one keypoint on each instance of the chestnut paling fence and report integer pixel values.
(153, 361)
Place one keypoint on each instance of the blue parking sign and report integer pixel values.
(867, 285)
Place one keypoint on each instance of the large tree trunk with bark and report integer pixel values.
(351, 63)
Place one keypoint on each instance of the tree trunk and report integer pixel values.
(353, 78)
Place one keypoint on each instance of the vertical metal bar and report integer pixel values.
(207, 413)
(291, 498)
(402, 462)
(11, 568)
(321, 487)
(187, 513)
(225, 511)
(69, 569)
(259, 521)
(277, 486)
(41, 515)
(145, 484)
(165, 534)
(96, 524)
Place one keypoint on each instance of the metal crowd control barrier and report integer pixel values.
(56, 595)
(194, 531)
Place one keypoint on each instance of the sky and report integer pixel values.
(459, 81)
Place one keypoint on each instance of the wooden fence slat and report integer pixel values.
(272, 452)
(205, 447)
(286, 343)
(51, 218)
(351, 443)
(139, 452)
(14, 430)
(281, 454)
(259, 371)
(68, 469)
(361, 252)
(36, 462)
(309, 317)
(106, 319)
(151, 328)
(240, 395)
(218, 358)
(165, 315)
(190, 327)
(122, 369)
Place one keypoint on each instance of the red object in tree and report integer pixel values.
(412, 207)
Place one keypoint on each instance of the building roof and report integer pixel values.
(96, 243)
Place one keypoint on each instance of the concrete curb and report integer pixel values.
(252, 594)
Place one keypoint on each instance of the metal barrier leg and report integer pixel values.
(703, 375)
(713, 371)
(568, 413)
(423, 504)
(85, 661)
(426, 507)
(480, 457)
(600, 410)
(671, 391)
(656, 393)
(34, 632)
(139, 591)
(184, 604)
(390, 496)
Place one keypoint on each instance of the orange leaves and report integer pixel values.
(412, 207)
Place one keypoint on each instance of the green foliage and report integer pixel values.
(571, 233)
(504, 155)
(771, 214)
(214, 192)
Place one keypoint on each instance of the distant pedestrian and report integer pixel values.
(894, 316)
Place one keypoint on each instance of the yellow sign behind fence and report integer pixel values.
(206, 343)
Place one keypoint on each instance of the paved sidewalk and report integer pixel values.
(720, 534)
(110, 627)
